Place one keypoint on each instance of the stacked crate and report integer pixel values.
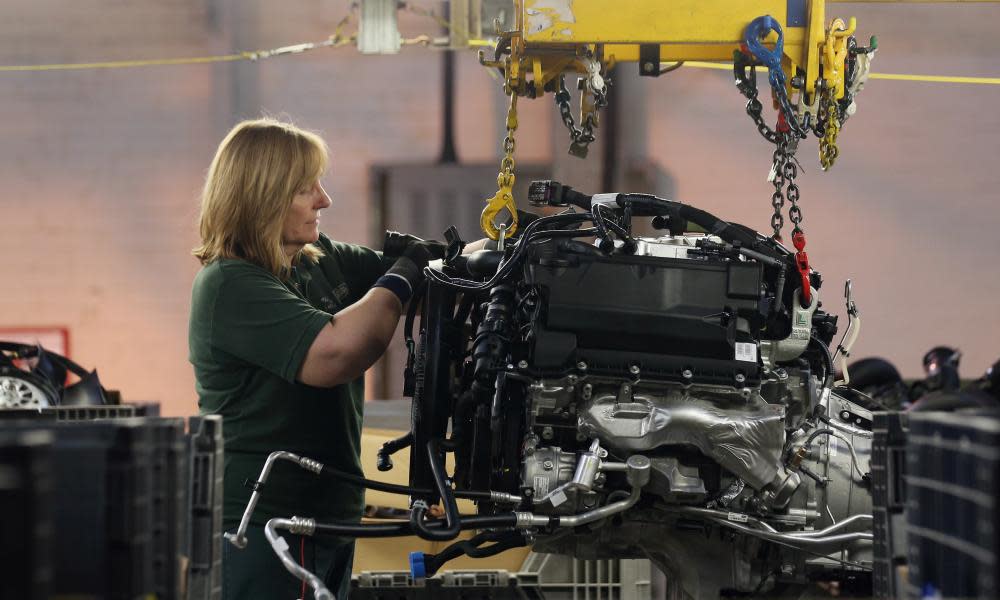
(105, 507)
(952, 487)
(888, 468)
(25, 503)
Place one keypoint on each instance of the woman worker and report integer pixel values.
(284, 323)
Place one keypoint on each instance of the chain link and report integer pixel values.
(504, 197)
(784, 165)
(784, 170)
(791, 171)
(747, 84)
(777, 198)
(828, 150)
(580, 137)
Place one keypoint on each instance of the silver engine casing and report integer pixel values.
(707, 541)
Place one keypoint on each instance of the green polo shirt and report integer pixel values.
(248, 335)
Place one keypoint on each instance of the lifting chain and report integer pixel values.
(777, 177)
(784, 170)
(829, 115)
(504, 198)
(747, 84)
(595, 85)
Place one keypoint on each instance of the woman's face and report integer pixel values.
(301, 226)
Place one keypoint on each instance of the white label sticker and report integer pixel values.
(746, 352)
(834, 446)
(739, 518)
(558, 498)
(541, 486)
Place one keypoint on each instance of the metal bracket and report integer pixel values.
(649, 60)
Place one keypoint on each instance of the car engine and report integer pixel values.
(668, 397)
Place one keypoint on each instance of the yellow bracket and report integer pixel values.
(550, 33)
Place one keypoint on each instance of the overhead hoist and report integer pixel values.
(815, 71)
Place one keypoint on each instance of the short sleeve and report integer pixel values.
(258, 320)
(360, 266)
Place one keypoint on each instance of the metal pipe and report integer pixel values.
(603, 512)
(721, 514)
(280, 546)
(723, 518)
(239, 539)
(793, 540)
(832, 528)
(613, 467)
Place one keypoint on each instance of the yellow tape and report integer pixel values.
(936, 78)
(472, 44)
(890, 76)
(119, 64)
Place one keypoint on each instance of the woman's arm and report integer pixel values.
(352, 341)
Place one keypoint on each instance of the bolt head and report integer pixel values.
(547, 465)
(647, 67)
(522, 364)
(634, 369)
(740, 378)
(687, 374)
(581, 365)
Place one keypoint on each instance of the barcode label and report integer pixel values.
(746, 352)
(737, 517)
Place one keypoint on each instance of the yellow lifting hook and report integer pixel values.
(835, 54)
(504, 198)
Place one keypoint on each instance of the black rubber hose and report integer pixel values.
(382, 458)
(404, 528)
(530, 235)
(452, 518)
(393, 488)
(646, 205)
(504, 540)
(463, 410)
(827, 360)
(411, 311)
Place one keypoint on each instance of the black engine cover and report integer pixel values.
(665, 315)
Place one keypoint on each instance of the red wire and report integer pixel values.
(302, 560)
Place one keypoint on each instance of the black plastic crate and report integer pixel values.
(102, 517)
(205, 507)
(169, 504)
(26, 488)
(71, 413)
(888, 468)
(952, 487)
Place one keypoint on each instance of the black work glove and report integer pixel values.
(410, 266)
(396, 244)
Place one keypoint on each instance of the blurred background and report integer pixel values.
(102, 168)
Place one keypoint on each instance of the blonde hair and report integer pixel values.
(257, 170)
